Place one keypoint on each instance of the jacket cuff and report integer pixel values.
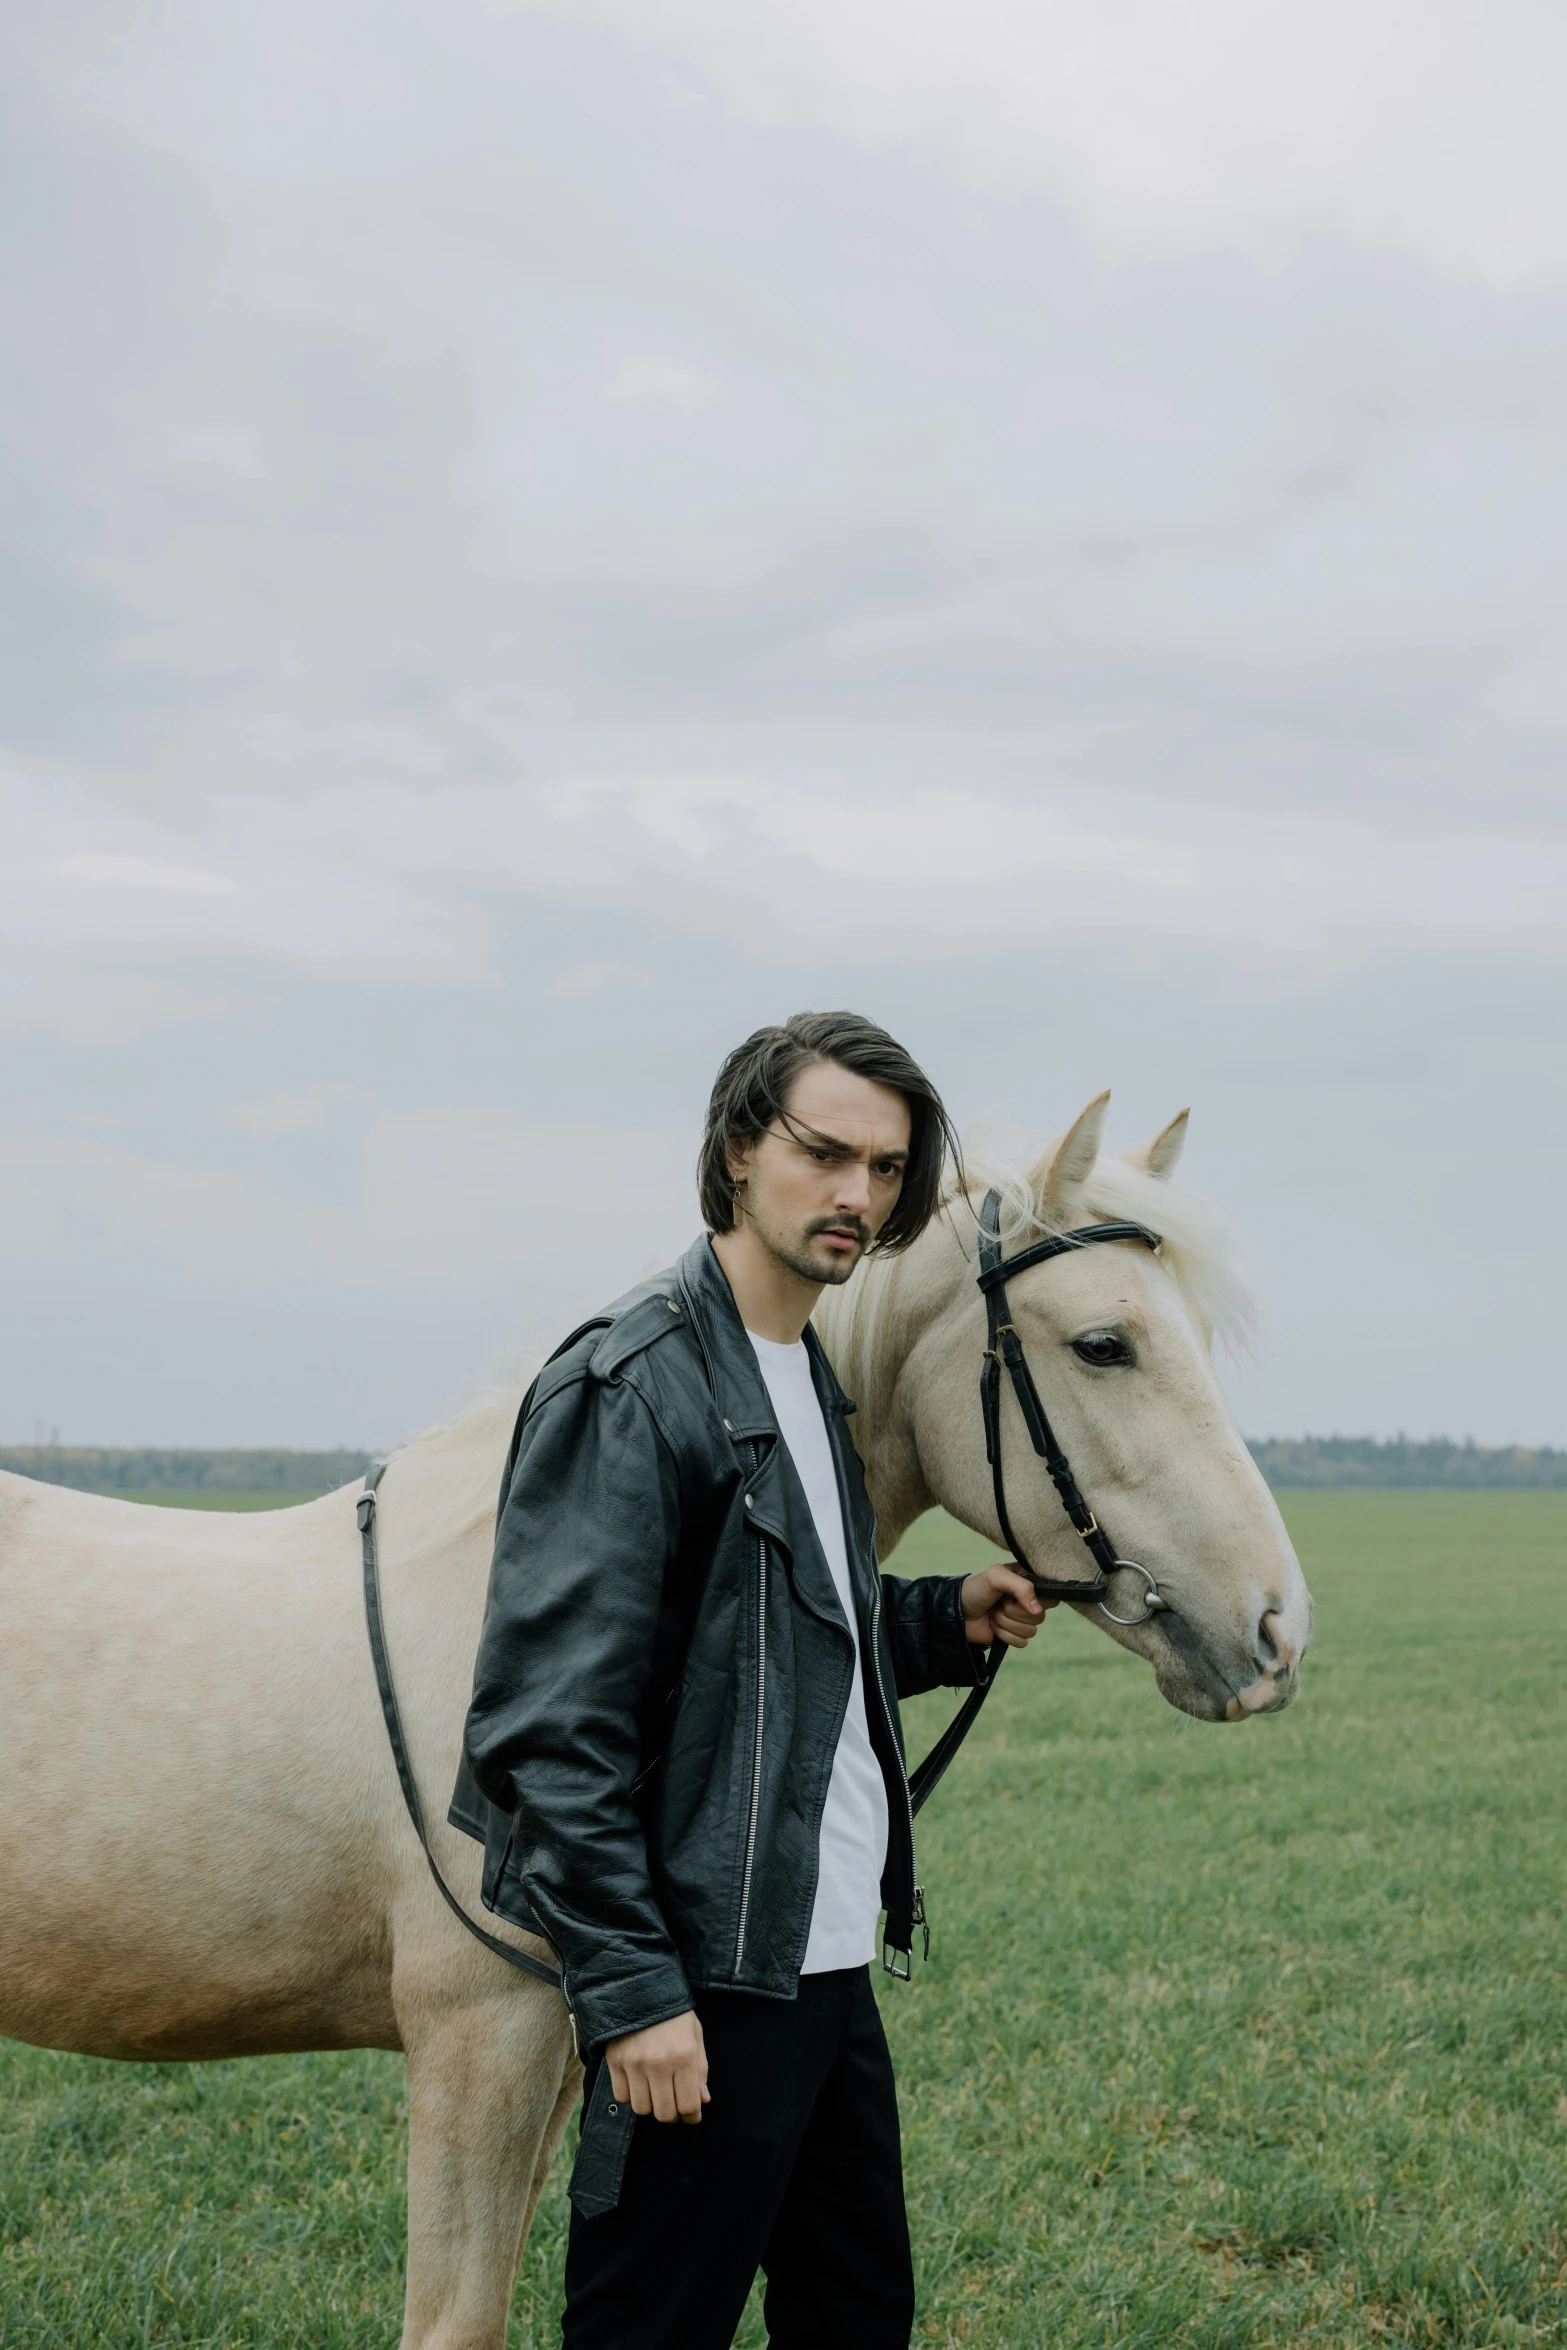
(957, 1662)
(608, 2011)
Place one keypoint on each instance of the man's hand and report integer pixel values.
(1000, 1604)
(663, 2070)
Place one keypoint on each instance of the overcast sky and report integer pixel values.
(537, 537)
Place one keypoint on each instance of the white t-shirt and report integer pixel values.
(854, 1823)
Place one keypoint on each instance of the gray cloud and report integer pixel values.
(535, 553)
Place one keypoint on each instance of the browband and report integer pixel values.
(994, 1271)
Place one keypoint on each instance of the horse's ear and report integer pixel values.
(1159, 1156)
(1069, 1162)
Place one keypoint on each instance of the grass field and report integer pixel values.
(207, 1499)
(1251, 2036)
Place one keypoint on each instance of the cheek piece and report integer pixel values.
(1004, 1351)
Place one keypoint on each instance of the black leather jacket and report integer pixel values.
(664, 1666)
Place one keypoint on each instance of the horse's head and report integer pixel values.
(1118, 1341)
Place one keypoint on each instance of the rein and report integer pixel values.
(1004, 1352)
(394, 1731)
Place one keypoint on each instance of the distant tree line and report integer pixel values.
(1401, 1460)
(1342, 1461)
(92, 1469)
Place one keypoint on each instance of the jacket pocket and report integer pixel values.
(601, 2153)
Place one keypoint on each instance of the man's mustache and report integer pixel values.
(861, 1231)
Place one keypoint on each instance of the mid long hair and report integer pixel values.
(752, 1092)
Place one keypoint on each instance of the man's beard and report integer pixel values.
(836, 1270)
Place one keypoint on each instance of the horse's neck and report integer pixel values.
(866, 1329)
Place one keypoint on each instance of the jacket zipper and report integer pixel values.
(888, 1715)
(888, 1721)
(756, 1757)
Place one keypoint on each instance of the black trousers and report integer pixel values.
(795, 2168)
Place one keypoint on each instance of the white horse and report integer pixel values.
(203, 1847)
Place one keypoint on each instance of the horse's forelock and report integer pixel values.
(1198, 1247)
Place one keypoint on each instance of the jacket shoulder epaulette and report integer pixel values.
(597, 1349)
(649, 1318)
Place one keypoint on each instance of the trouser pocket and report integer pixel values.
(607, 2124)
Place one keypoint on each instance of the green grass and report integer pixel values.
(203, 1499)
(1247, 2036)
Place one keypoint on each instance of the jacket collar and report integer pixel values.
(738, 1386)
(739, 1389)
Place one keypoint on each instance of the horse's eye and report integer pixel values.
(1103, 1348)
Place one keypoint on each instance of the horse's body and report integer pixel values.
(203, 1848)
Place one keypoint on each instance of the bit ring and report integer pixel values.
(1153, 1599)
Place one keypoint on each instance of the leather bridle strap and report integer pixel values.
(394, 1731)
(1005, 1348)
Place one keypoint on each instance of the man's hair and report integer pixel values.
(752, 1091)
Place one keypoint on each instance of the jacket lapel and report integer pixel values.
(739, 1390)
(778, 1507)
(858, 1517)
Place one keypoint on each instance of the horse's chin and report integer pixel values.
(1188, 1696)
(1190, 1680)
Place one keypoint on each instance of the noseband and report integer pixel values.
(1004, 1351)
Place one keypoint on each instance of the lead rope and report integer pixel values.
(394, 1731)
(927, 1775)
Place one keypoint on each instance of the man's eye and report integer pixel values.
(1105, 1349)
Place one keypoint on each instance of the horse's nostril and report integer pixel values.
(1275, 1651)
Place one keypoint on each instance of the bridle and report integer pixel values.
(1004, 1352)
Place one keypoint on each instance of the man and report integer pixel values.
(684, 1723)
